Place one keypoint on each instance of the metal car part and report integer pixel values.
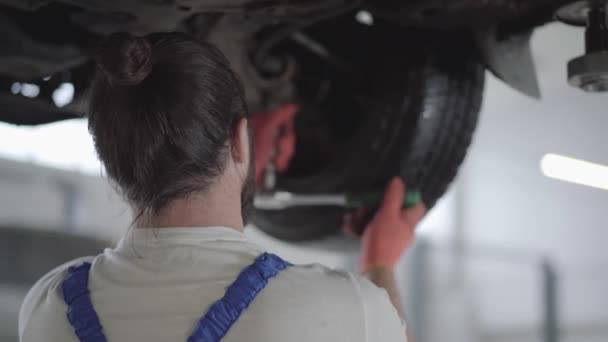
(510, 59)
(25, 58)
(143, 16)
(38, 111)
(262, 89)
(146, 16)
(465, 13)
(231, 24)
(30, 5)
(279, 200)
(282, 199)
(574, 14)
(589, 72)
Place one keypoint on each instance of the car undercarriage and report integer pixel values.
(385, 87)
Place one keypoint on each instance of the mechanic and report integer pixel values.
(170, 125)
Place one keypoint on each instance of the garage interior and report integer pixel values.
(507, 255)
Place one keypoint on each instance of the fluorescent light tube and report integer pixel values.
(575, 171)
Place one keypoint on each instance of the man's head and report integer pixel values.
(168, 117)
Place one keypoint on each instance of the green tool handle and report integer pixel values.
(374, 199)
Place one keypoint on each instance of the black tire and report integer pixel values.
(422, 100)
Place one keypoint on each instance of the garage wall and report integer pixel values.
(47, 198)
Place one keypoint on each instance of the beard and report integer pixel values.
(248, 190)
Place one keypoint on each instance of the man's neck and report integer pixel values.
(213, 209)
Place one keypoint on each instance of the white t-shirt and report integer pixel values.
(157, 283)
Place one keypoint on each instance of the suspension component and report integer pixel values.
(590, 71)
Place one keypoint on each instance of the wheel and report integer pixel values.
(412, 113)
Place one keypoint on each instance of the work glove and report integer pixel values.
(274, 139)
(390, 231)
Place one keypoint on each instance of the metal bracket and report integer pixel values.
(510, 59)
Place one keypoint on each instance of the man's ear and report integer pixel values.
(240, 142)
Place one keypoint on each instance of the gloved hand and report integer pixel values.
(274, 138)
(390, 231)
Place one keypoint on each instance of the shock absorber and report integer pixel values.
(589, 71)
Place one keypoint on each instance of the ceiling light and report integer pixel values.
(575, 171)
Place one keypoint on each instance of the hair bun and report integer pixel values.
(125, 59)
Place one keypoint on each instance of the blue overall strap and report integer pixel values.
(81, 314)
(223, 313)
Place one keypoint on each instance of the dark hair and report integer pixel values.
(162, 113)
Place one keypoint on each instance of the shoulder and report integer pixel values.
(315, 276)
(43, 308)
(355, 299)
(321, 286)
(318, 280)
(320, 304)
